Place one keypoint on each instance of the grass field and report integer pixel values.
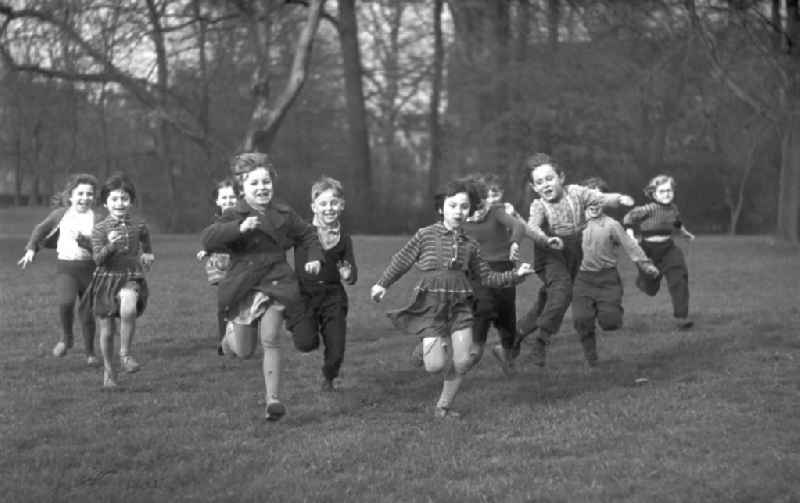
(717, 420)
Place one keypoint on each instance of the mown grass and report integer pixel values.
(717, 420)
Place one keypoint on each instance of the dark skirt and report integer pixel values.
(103, 291)
(442, 304)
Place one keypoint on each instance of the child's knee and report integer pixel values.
(435, 354)
(128, 299)
(464, 363)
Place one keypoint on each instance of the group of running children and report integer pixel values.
(469, 261)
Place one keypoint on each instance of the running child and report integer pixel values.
(558, 218)
(498, 235)
(657, 221)
(118, 290)
(257, 232)
(597, 293)
(322, 313)
(226, 195)
(441, 311)
(68, 229)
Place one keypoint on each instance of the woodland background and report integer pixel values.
(393, 97)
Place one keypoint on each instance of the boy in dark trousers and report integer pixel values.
(322, 313)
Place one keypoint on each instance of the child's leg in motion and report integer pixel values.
(648, 284)
(608, 296)
(221, 325)
(584, 313)
(67, 292)
(85, 314)
(269, 329)
(106, 328)
(128, 297)
(505, 300)
(333, 328)
(673, 267)
(463, 358)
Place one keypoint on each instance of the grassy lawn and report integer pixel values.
(717, 420)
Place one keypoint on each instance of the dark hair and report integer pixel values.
(62, 198)
(118, 181)
(224, 183)
(596, 183)
(540, 159)
(458, 186)
(492, 181)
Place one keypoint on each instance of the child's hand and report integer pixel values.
(345, 270)
(26, 259)
(201, 255)
(116, 239)
(524, 270)
(313, 267)
(689, 235)
(510, 209)
(248, 224)
(377, 292)
(555, 243)
(147, 260)
(649, 269)
(84, 242)
(513, 252)
(626, 200)
(630, 233)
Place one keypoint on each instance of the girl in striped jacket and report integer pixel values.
(441, 313)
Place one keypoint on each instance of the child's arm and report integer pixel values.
(43, 230)
(493, 279)
(102, 248)
(537, 218)
(609, 199)
(147, 257)
(348, 263)
(633, 249)
(304, 235)
(683, 230)
(401, 262)
(218, 236)
(633, 217)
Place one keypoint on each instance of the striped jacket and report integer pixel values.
(654, 219)
(435, 248)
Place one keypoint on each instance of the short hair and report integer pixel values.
(62, 198)
(118, 181)
(244, 163)
(655, 182)
(540, 159)
(224, 183)
(596, 183)
(457, 186)
(492, 182)
(324, 183)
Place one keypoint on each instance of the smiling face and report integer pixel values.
(118, 203)
(455, 210)
(82, 197)
(327, 207)
(593, 211)
(226, 198)
(257, 187)
(664, 193)
(547, 182)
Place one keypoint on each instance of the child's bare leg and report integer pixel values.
(241, 340)
(270, 332)
(106, 327)
(128, 298)
(463, 358)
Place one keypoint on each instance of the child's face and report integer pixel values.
(226, 198)
(547, 182)
(82, 197)
(664, 193)
(327, 207)
(118, 203)
(494, 195)
(455, 210)
(257, 187)
(593, 211)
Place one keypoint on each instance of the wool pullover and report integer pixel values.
(495, 232)
(654, 219)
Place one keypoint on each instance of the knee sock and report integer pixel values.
(449, 390)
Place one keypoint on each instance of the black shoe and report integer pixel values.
(327, 385)
(220, 352)
(275, 411)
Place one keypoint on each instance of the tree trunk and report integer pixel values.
(436, 92)
(163, 144)
(266, 118)
(789, 182)
(356, 111)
